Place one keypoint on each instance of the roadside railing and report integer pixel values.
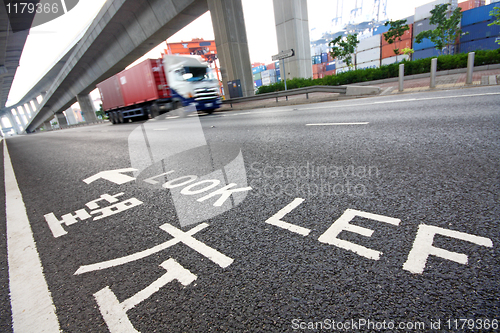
(291, 92)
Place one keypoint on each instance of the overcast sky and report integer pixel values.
(48, 42)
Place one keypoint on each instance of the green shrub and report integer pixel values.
(445, 62)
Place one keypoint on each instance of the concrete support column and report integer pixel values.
(13, 121)
(232, 45)
(61, 119)
(33, 108)
(70, 114)
(87, 108)
(22, 116)
(292, 32)
(27, 110)
(37, 105)
(47, 126)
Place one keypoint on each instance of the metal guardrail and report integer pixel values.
(291, 92)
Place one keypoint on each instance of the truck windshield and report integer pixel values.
(197, 74)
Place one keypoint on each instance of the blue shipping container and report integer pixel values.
(258, 69)
(277, 64)
(324, 57)
(480, 44)
(478, 14)
(330, 66)
(258, 83)
(425, 44)
(278, 72)
(479, 31)
(426, 53)
(316, 59)
(380, 30)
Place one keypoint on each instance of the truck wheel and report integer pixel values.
(154, 110)
(210, 111)
(112, 118)
(120, 119)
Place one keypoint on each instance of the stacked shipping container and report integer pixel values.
(422, 17)
(368, 52)
(323, 65)
(388, 55)
(478, 35)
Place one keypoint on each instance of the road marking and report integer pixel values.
(342, 223)
(276, 219)
(138, 255)
(160, 129)
(338, 124)
(32, 307)
(114, 176)
(203, 249)
(343, 105)
(115, 313)
(422, 247)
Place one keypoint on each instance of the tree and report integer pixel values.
(447, 30)
(396, 31)
(343, 49)
(495, 12)
(100, 113)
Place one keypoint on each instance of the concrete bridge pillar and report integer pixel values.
(71, 119)
(32, 108)
(27, 111)
(87, 108)
(232, 45)
(21, 114)
(61, 119)
(13, 122)
(292, 32)
(47, 126)
(37, 105)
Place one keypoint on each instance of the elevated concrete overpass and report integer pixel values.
(124, 30)
(11, 48)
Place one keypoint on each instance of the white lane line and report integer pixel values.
(160, 129)
(338, 124)
(399, 100)
(32, 307)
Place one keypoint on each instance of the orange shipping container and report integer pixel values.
(406, 36)
(332, 72)
(388, 50)
(319, 68)
(466, 5)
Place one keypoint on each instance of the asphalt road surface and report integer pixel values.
(374, 214)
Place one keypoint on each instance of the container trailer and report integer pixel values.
(156, 86)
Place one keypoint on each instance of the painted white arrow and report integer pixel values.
(114, 176)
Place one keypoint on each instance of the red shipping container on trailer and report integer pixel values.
(144, 82)
(406, 36)
(111, 94)
(271, 66)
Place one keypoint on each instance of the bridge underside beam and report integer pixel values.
(123, 31)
